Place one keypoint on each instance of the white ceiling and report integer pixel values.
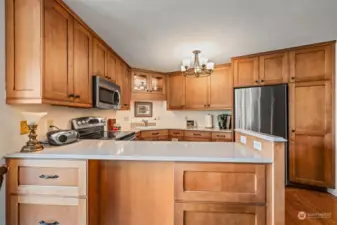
(158, 34)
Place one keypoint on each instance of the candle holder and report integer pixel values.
(33, 145)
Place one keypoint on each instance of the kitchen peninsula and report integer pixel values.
(99, 182)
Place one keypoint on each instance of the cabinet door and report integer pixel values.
(176, 91)
(82, 64)
(221, 88)
(246, 72)
(111, 67)
(216, 214)
(197, 92)
(100, 59)
(140, 82)
(312, 63)
(58, 52)
(274, 68)
(34, 210)
(311, 155)
(157, 83)
(124, 81)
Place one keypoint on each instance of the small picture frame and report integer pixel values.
(143, 109)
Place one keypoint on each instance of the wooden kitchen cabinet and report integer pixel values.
(274, 68)
(148, 85)
(312, 63)
(100, 59)
(51, 55)
(82, 64)
(196, 213)
(176, 91)
(246, 71)
(28, 210)
(311, 152)
(124, 81)
(197, 92)
(221, 88)
(58, 53)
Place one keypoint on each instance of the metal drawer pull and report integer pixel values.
(176, 133)
(221, 135)
(49, 176)
(44, 223)
(155, 133)
(196, 134)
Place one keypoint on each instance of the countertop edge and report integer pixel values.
(266, 137)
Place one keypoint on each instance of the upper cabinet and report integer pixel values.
(123, 79)
(246, 71)
(176, 91)
(100, 59)
(148, 85)
(312, 63)
(221, 88)
(51, 55)
(264, 69)
(214, 92)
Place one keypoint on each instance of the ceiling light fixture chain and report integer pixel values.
(201, 66)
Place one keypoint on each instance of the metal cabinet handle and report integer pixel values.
(262, 81)
(71, 96)
(77, 96)
(48, 176)
(126, 104)
(176, 133)
(196, 134)
(221, 136)
(155, 133)
(256, 81)
(293, 78)
(293, 130)
(45, 223)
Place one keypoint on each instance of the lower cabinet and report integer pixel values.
(35, 210)
(215, 214)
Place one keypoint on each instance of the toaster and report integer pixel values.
(62, 137)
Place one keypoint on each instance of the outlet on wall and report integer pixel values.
(243, 139)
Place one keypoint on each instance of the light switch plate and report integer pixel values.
(257, 145)
(243, 139)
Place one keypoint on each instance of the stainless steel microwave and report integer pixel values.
(106, 94)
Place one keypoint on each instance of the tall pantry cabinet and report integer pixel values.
(311, 114)
(310, 74)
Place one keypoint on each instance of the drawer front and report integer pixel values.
(221, 135)
(215, 214)
(34, 210)
(216, 182)
(154, 133)
(176, 133)
(48, 177)
(198, 134)
(159, 138)
(193, 139)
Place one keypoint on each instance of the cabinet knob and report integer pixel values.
(262, 81)
(45, 223)
(126, 104)
(77, 96)
(293, 78)
(71, 96)
(293, 130)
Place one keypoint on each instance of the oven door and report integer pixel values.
(106, 94)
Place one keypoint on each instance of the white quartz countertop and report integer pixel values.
(150, 151)
(180, 128)
(266, 137)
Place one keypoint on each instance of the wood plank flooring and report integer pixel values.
(320, 208)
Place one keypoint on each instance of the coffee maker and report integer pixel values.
(224, 121)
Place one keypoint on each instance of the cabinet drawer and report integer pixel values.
(216, 182)
(34, 210)
(221, 135)
(215, 214)
(48, 177)
(195, 139)
(176, 133)
(154, 133)
(198, 134)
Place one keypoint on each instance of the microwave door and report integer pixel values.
(108, 99)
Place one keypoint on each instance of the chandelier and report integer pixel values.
(201, 66)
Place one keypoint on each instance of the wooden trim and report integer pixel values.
(139, 70)
(285, 49)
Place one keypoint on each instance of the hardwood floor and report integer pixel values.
(320, 208)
